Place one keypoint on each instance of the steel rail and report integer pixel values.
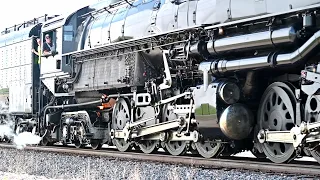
(252, 164)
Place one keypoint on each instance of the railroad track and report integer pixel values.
(304, 168)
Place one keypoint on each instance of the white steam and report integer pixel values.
(20, 140)
(26, 138)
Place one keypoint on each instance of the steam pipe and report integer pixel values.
(67, 106)
(253, 41)
(272, 60)
(245, 42)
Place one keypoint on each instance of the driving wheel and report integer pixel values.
(96, 144)
(149, 146)
(208, 149)
(312, 116)
(121, 115)
(276, 113)
(173, 147)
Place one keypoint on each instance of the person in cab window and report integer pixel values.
(38, 52)
(47, 46)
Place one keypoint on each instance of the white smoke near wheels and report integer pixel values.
(26, 138)
(20, 140)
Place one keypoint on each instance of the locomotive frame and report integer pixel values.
(218, 89)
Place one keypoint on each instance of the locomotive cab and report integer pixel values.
(64, 34)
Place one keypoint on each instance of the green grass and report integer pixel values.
(4, 91)
(205, 109)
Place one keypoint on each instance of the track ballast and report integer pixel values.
(296, 168)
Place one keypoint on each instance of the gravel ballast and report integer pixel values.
(43, 165)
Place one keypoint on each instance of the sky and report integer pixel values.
(16, 11)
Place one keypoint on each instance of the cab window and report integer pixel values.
(49, 43)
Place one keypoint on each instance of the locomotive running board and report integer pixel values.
(306, 133)
(154, 130)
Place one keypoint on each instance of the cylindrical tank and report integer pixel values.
(253, 41)
(236, 121)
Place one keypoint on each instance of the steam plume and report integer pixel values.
(20, 140)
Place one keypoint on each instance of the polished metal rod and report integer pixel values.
(239, 43)
(272, 60)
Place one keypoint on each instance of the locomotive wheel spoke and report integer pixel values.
(96, 144)
(315, 153)
(79, 141)
(276, 113)
(312, 117)
(173, 147)
(257, 154)
(78, 144)
(149, 146)
(208, 149)
(44, 141)
(121, 115)
(176, 148)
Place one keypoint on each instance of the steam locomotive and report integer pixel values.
(213, 77)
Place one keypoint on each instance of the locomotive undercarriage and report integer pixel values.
(161, 116)
(81, 128)
(172, 126)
